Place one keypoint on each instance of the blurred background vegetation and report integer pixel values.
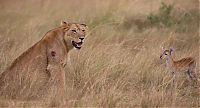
(119, 64)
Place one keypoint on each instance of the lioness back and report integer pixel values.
(25, 74)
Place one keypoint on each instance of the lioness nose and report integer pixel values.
(81, 38)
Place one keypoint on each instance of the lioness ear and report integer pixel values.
(84, 25)
(63, 23)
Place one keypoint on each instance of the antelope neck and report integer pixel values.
(169, 61)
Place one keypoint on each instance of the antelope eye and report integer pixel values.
(74, 31)
(165, 54)
(83, 30)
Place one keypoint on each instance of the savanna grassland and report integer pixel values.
(119, 64)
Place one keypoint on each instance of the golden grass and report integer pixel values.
(117, 66)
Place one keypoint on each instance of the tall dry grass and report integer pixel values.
(119, 64)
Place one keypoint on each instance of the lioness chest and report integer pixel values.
(56, 50)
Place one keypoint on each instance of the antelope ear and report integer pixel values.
(171, 50)
(63, 23)
(162, 48)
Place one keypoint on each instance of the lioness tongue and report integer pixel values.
(79, 43)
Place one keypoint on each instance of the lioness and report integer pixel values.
(39, 71)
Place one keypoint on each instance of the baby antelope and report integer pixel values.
(184, 65)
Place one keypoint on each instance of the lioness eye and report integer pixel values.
(74, 31)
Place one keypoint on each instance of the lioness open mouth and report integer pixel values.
(77, 44)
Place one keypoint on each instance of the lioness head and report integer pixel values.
(74, 34)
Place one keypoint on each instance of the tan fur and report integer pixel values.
(186, 65)
(39, 72)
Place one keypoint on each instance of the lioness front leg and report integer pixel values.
(56, 85)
